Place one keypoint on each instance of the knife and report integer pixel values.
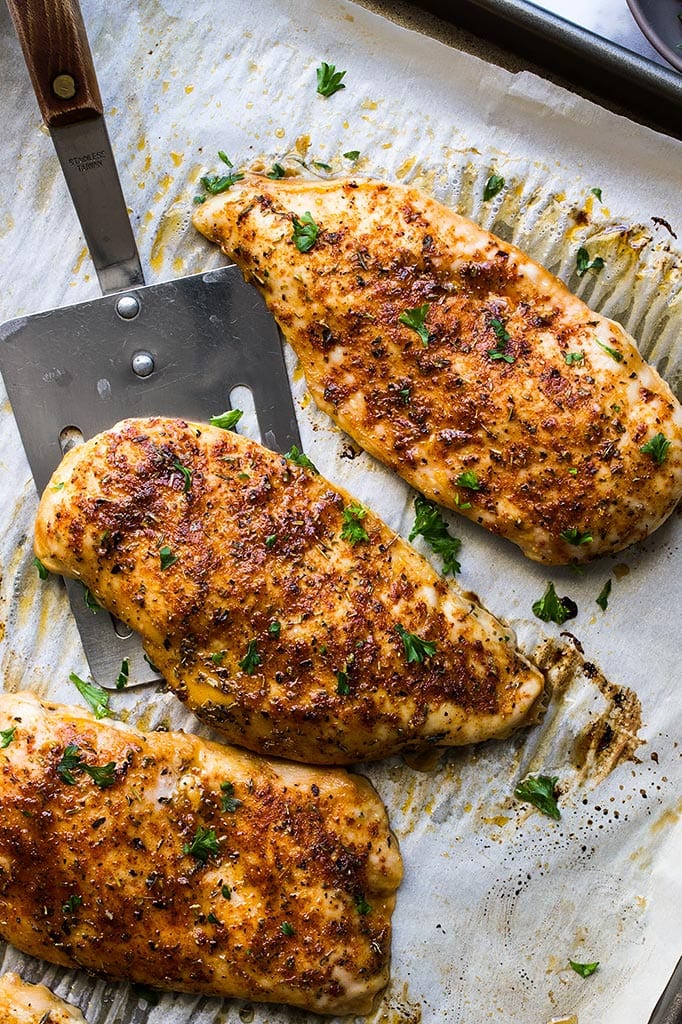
(71, 105)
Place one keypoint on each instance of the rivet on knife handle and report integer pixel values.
(58, 57)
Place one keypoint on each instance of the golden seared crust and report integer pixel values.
(515, 381)
(270, 624)
(23, 1003)
(200, 868)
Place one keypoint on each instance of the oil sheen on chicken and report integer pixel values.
(460, 362)
(23, 1003)
(282, 611)
(171, 861)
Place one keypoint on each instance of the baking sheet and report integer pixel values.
(496, 898)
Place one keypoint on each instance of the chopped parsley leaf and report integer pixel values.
(430, 525)
(227, 420)
(352, 154)
(217, 183)
(614, 353)
(405, 395)
(94, 695)
(222, 155)
(576, 537)
(72, 905)
(321, 166)
(274, 628)
(102, 776)
(362, 906)
(6, 736)
(123, 675)
(186, 473)
(226, 892)
(287, 929)
(276, 171)
(603, 599)
(71, 762)
(329, 80)
(218, 657)
(211, 918)
(270, 540)
(342, 687)
(584, 263)
(539, 791)
(657, 448)
(42, 571)
(166, 557)
(551, 608)
(300, 459)
(493, 185)
(584, 970)
(229, 801)
(91, 601)
(416, 319)
(503, 336)
(251, 660)
(204, 844)
(351, 530)
(596, 192)
(570, 358)
(305, 232)
(416, 649)
(469, 480)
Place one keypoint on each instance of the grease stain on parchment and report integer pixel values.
(396, 1007)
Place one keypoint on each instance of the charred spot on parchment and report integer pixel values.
(612, 736)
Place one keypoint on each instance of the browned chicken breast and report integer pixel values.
(171, 861)
(283, 612)
(460, 362)
(22, 1003)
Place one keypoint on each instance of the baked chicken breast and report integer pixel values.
(283, 612)
(168, 860)
(23, 1003)
(460, 362)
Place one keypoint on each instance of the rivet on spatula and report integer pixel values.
(142, 364)
(64, 86)
(128, 307)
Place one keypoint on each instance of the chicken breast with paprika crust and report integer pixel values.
(23, 1003)
(182, 864)
(461, 363)
(282, 611)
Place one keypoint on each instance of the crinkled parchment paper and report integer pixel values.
(496, 897)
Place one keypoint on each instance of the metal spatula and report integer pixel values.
(173, 349)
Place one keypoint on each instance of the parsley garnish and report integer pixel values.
(352, 154)
(405, 395)
(415, 318)
(123, 675)
(217, 183)
(342, 687)
(430, 525)
(151, 664)
(6, 736)
(211, 918)
(218, 657)
(186, 473)
(226, 892)
(362, 906)
(603, 599)
(42, 571)
(657, 448)
(277, 171)
(321, 166)
(584, 970)
(614, 353)
(72, 905)
(469, 480)
(71, 762)
(287, 929)
(551, 608)
(270, 540)
(166, 557)
(583, 262)
(301, 459)
(502, 335)
(227, 420)
(351, 530)
(274, 628)
(493, 185)
(416, 649)
(222, 155)
(251, 659)
(91, 601)
(204, 844)
(596, 192)
(576, 537)
(229, 801)
(539, 791)
(573, 357)
(96, 697)
(329, 80)
(305, 232)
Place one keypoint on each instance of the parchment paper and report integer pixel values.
(496, 897)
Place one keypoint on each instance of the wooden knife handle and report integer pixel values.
(57, 53)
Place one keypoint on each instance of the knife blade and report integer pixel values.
(62, 72)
